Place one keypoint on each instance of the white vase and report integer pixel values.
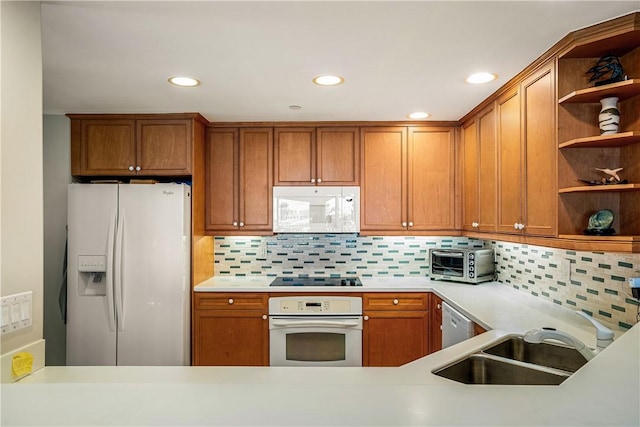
(609, 117)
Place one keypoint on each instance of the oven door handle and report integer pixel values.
(448, 254)
(306, 323)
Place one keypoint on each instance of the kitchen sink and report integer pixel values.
(485, 369)
(515, 347)
(512, 361)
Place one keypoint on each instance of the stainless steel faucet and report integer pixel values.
(604, 337)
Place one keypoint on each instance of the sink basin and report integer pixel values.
(550, 355)
(480, 368)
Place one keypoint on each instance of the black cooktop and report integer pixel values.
(316, 281)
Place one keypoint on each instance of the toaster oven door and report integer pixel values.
(448, 263)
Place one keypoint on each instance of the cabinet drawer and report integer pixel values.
(395, 301)
(231, 301)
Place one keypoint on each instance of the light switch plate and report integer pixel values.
(16, 312)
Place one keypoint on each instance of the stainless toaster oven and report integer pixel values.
(462, 265)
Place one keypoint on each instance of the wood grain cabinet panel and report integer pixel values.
(408, 180)
(395, 328)
(317, 156)
(239, 181)
(435, 329)
(479, 172)
(231, 329)
(129, 145)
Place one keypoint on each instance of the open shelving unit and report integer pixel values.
(582, 149)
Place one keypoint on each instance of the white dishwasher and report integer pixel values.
(455, 326)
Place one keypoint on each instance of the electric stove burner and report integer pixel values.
(316, 281)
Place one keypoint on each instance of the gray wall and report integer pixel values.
(56, 177)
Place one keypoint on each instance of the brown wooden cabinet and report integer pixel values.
(395, 328)
(134, 145)
(526, 171)
(239, 181)
(231, 329)
(317, 156)
(479, 172)
(408, 179)
(582, 148)
(435, 330)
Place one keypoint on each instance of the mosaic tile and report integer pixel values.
(597, 282)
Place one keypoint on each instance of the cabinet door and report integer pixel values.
(487, 170)
(256, 179)
(470, 175)
(221, 187)
(393, 338)
(103, 147)
(383, 189)
(231, 338)
(164, 147)
(295, 156)
(431, 184)
(510, 163)
(540, 207)
(338, 156)
(435, 328)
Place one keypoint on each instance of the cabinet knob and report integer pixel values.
(313, 180)
(319, 180)
(235, 223)
(395, 302)
(230, 300)
(515, 225)
(520, 226)
(138, 168)
(439, 306)
(242, 224)
(404, 224)
(475, 225)
(264, 317)
(366, 318)
(131, 168)
(410, 223)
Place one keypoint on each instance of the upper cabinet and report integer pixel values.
(317, 156)
(479, 171)
(408, 179)
(239, 181)
(582, 148)
(526, 172)
(134, 145)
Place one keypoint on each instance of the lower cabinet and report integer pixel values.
(435, 332)
(395, 328)
(231, 329)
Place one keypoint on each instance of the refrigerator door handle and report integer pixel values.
(118, 271)
(110, 273)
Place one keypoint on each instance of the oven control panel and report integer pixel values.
(315, 305)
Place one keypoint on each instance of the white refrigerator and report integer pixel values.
(128, 271)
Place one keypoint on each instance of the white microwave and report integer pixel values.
(316, 209)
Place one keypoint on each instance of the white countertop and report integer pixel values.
(603, 392)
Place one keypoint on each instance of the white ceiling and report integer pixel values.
(256, 58)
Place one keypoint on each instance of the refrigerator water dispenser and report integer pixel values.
(92, 271)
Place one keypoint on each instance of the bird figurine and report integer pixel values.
(613, 173)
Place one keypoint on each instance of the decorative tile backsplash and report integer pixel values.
(598, 281)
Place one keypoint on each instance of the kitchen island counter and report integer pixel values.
(603, 392)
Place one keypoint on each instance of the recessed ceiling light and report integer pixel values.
(479, 78)
(184, 81)
(419, 115)
(328, 80)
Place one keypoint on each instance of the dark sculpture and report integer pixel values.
(607, 66)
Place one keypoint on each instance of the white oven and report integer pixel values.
(315, 331)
